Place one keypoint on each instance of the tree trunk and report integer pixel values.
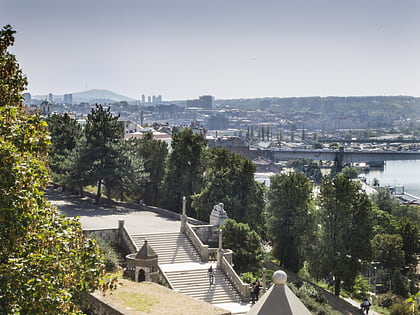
(337, 286)
(98, 192)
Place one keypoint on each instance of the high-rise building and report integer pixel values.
(143, 99)
(149, 99)
(204, 101)
(51, 97)
(153, 99)
(27, 97)
(68, 99)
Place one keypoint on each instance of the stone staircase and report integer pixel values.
(181, 263)
(197, 286)
(172, 248)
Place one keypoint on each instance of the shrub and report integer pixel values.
(361, 288)
(111, 257)
(402, 309)
(387, 300)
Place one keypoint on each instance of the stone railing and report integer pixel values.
(124, 238)
(242, 288)
(198, 244)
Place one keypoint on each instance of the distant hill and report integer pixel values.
(98, 95)
(92, 96)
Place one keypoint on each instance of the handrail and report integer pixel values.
(241, 287)
(198, 244)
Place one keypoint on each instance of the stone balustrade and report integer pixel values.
(198, 244)
(243, 288)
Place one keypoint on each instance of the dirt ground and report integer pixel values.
(133, 298)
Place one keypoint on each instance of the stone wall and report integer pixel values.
(109, 235)
(100, 307)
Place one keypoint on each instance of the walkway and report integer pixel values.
(357, 304)
(93, 216)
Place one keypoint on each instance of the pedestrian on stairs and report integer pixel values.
(211, 275)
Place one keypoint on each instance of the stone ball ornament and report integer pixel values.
(279, 277)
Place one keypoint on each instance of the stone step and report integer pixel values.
(195, 283)
(170, 247)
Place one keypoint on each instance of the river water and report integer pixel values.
(398, 173)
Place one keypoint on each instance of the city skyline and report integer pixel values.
(229, 49)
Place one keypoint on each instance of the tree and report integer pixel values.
(290, 218)
(103, 135)
(46, 264)
(388, 250)
(185, 167)
(229, 178)
(129, 176)
(346, 229)
(385, 200)
(350, 171)
(65, 134)
(244, 242)
(154, 154)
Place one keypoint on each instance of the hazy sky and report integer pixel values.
(227, 48)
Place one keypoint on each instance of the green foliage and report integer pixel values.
(244, 242)
(229, 178)
(46, 264)
(65, 134)
(387, 299)
(247, 277)
(402, 309)
(129, 176)
(385, 200)
(154, 154)
(103, 135)
(111, 258)
(361, 288)
(312, 298)
(291, 220)
(346, 219)
(350, 171)
(388, 250)
(184, 176)
(307, 167)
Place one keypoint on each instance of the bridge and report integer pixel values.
(344, 156)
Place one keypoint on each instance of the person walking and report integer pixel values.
(365, 306)
(211, 275)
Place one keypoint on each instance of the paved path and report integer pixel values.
(357, 304)
(93, 216)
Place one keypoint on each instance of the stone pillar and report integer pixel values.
(220, 250)
(184, 214)
(264, 280)
(120, 232)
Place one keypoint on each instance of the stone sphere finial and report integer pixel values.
(279, 277)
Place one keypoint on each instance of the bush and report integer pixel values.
(402, 309)
(311, 291)
(247, 277)
(387, 300)
(361, 288)
(111, 257)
